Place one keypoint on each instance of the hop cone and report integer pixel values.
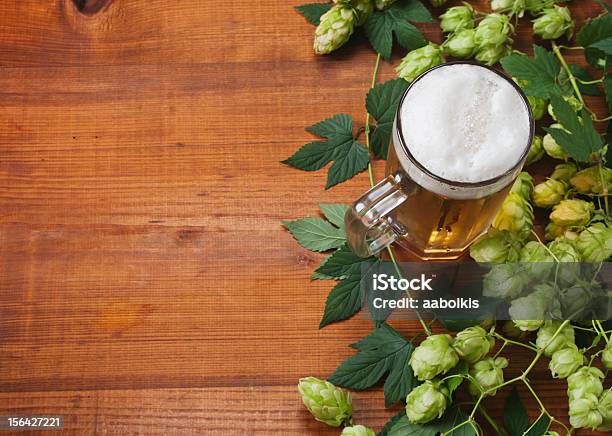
(493, 30)
(457, 18)
(357, 430)
(326, 402)
(523, 185)
(532, 309)
(572, 213)
(553, 23)
(564, 172)
(426, 402)
(335, 29)
(433, 356)
(383, 4)
(564, 339)
(584, 412)
(589, 181)
(420, 60)
(587, 380)
(538, 262)
(534, 7)
(472, 344)
(565, 362)
(491, 54)
(528, 325)
(488, 374)
(605, 409)
(515, 215)
(553, 231)
(595, 243)
(536, 152)
(564, 252)
(551, 147)
(461, 44)
(549, 193)
(606, 356)
(506, 280)
(513, 7)
(496, 246)
(363, 8)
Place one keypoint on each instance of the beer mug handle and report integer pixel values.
(367, 229)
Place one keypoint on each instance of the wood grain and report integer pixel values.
(146, 285)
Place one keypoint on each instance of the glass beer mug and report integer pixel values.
(434, 216)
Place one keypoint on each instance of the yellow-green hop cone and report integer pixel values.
(549, 193)
(496, 246)
(586, 380)
(529, 311)
(565, 362)
(493, 30)
(523, 185)
(473, 343)
(488, 373)
(426, 402)
(564, 339)
(537, 260)
(564, 250)
(335, 29)
(571, 100)
(357, 430)
(535, 7)
(363, 8)
(326, 402)
(434, 356)
(383, 4)
(595, 243)
(564, 172)
(572, 213)
(551, 147)
(457, 18)
(528, 325)
(491, 54)
(606, 356)
(604, 407)
(538, 106)
(536, 151)
(506, 280)
(461, 44)
(553, 231)
(553, 23)
(420, 60)
(515, 215)
(589, 181)
(584, 412)
(512, 7)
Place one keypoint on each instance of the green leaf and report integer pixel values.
(349, 156)
(313, 11)
(604, 5)
(338, 265)
(381, 26)
(604, 45)
(607, 85)
(584, 75)
(460, 369)
(451, 418)
(581, 138)
(539, 427)
(515, 416)
(592, 32)
(316, 234)
(381, 103)
(385, 430)
(384, 350)
(334, 213)
(541, 71)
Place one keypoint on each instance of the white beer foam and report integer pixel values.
(465, 123)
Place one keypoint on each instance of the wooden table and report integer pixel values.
(146, 284)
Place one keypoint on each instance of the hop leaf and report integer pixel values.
(381, 103)
(540, 73)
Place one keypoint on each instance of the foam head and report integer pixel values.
(465, 123)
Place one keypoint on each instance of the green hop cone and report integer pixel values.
(523, 185)
(488, 373)
(363, 8)
(535, 7)
(326, 402)
(565, 362)
(586, 380)
(572, 213)
(496, 246)
(515, 215)
(512, 7)
(461, 44)
(512, 330)
(606, 356)
(584, 412)
(564, 172)
(493, 30)
(551, 147)
(420, 60)
(553, 23)
(538, 106)
(605, 409)
(564, 339)
(589, 181)
(506, 280)
(473, 343)
(529, 311)
(491, 54)
(577, 298)
(537, 260)
(357, 430)
(536, 152)
(569, 272)
(457, 18)
(383, 4)
(595, 243)
(335, 29)
(433, 356)
(528, 325)
(553, 231)
(571, 100)
(426, 402)
(549, 193)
